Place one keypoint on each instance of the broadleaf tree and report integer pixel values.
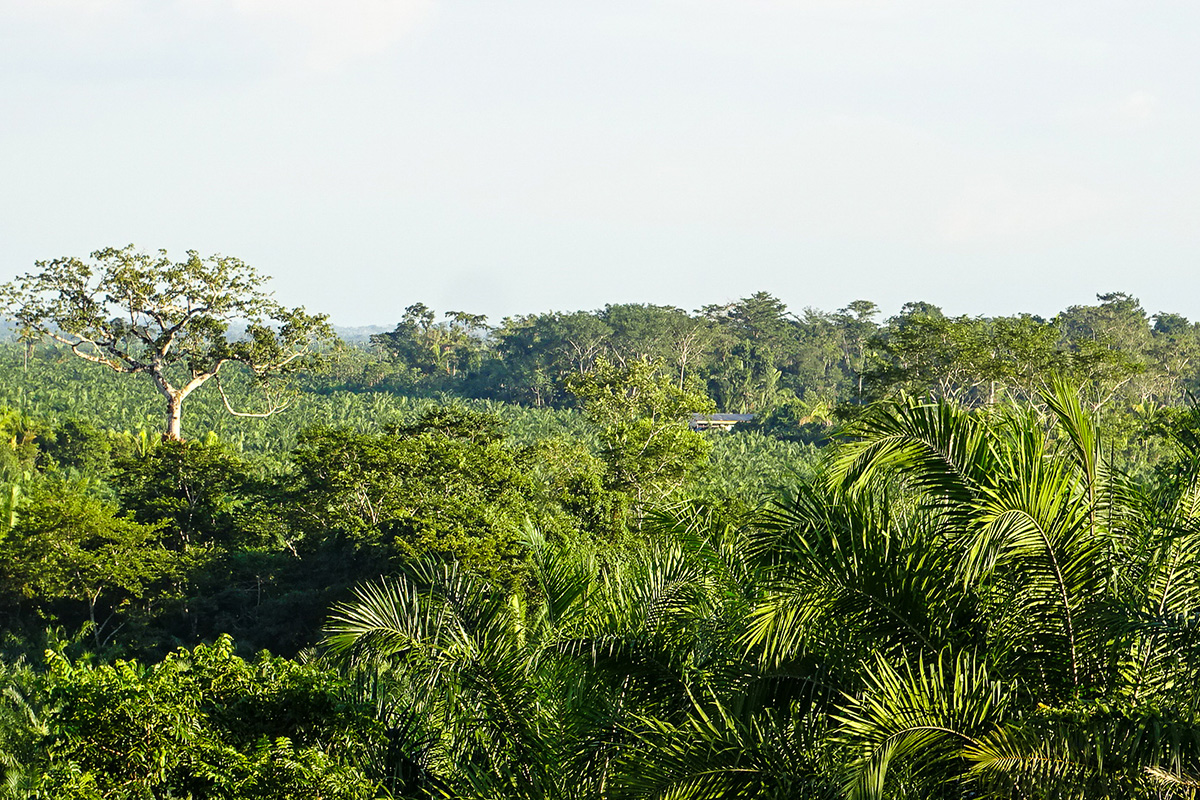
(141, 313)
(642, 417)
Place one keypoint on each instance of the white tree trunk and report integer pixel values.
(174, 417)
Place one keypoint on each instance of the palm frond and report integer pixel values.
(831, 561)
(922, 716)
(943, 451)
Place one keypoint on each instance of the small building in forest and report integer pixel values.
(717, 422)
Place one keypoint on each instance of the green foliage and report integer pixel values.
(753, 468)
(445, 485)
(1050, 542)
(570, 484)
(922, 717)
(67, 545)
(543, 697)
(19, 451)
(967, 603)
(974, 360)
(192, 488)
(642, 418)
(78, 446)
(794, 420)
(754, 340)
(56, 388)
(432, 349)
(201, 723)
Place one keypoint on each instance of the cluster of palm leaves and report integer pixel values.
(960, 604)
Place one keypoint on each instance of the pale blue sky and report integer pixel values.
(519, 156)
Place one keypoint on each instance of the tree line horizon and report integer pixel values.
(800, 374)
(138, 313)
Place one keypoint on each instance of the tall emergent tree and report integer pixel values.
(135, 312)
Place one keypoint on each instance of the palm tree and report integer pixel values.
(456, 652)
(962, 604)
(1041, 699)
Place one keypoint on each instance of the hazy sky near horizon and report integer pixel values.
(520, 156)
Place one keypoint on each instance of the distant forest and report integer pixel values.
(795, 370)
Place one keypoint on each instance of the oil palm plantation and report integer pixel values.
(1072, 581)
(961, 604)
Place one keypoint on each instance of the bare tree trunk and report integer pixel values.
(175, 398)
(174, 416)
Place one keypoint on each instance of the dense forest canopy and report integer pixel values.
(755, 354)
(950, 557)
